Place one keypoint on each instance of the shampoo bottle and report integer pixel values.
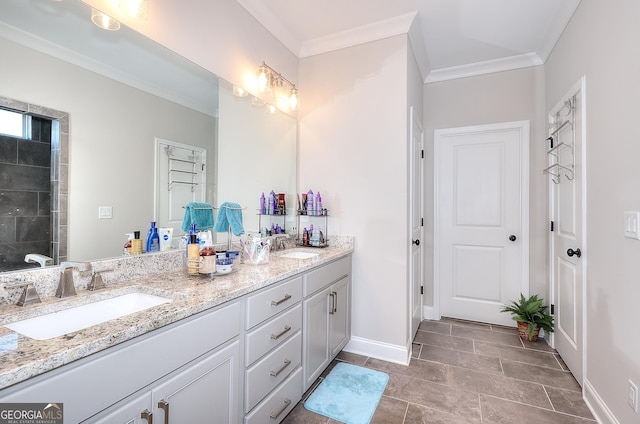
(273, 209)
(318, 204)
(263, 205)
(153, 239)
(310, 202)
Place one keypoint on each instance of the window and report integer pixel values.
(14, 123)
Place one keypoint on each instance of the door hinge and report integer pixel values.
(552, 309)
(551, 227)
(422, 154)
(421, 289)
(422, 222)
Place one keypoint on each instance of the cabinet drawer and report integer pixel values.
(268, 302)
(273, 333)
(272, 370)
(323, 276)
(278, 404)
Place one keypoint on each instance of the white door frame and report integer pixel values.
(524, 126)
(415, 178)
(579, 86)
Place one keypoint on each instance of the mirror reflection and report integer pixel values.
(114, 99)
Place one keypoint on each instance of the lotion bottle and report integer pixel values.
(153, 239)
(193, 255)
(136, 243)
(318, 204)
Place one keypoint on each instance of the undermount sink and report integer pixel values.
(66, 321)
(299, 255)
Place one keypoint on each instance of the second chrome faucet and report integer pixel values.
(66, 286)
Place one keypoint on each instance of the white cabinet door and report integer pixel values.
(134, 410)
(339, 321)
(206, 392)
(315, 350)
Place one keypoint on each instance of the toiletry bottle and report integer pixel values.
(310, 202)
(153, 239)
(305, 237)
(208, 257)
(318, 204)
(273, 208)
(303, 211)
(193, 255)
(263, 205)
(136, 243)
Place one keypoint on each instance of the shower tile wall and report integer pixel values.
(25, 195)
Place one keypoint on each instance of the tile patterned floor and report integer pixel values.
(466, 372)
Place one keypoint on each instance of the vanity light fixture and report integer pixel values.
(239, 91)
(104, 21)
(138, 9)
(284, 91)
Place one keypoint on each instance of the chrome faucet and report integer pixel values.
(66, 286)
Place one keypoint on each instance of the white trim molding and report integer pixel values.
(486, 67)
(597, 405)
(383, 351)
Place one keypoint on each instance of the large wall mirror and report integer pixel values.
(111, 96)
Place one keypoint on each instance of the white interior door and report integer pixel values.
(417, 257)
(180, 178)
(481, 211)
(566, 203)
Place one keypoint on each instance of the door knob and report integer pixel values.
(416, 242)
(572, 252)
(512, 237)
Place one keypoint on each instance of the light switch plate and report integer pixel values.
(105, 212)
(632, 224)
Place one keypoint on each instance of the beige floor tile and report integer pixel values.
(540, 344)
(504, 329)
(390, 411)
(424, 370)
(435, 327)
(461, 359)
(486, 335)
(569, 402)
(433, 395)
(449, 342)
(500, 411)
(417, 414)
(299, 415)
(352, 358)
(465, 323)
(541, 375)
(534, 357)
(499, 386)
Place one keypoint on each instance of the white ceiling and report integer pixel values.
(452, 38)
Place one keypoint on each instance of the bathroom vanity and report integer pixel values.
(236, 348)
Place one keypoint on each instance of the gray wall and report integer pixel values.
(601, 42)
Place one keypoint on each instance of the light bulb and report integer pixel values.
(294, 101)
(104, 21)
(138, 9)
(264, 81)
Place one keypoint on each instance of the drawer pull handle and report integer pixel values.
(147, 415)
(287, 328)
(164, 405)
(284, 299)
(275, 415)
(276, 373)
(333, 303)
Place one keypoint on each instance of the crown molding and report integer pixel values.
(486, 67)
(360, 35)
(565, 12)
(265, 17)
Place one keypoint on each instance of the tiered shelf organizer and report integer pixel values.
(275, 218)
(558, 145)
(177, 175)
(313, 218)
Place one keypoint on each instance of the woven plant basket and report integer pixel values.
(523, 332)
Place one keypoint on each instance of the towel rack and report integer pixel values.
(229, 233)
(173, 163)
(557, 145)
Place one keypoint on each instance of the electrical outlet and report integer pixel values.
(632, 224)
(633, 396)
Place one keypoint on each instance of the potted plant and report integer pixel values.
(531, 315)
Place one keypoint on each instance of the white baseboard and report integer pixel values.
(599, 409)
(383, 351)
(427, 312)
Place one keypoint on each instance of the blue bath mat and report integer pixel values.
(349, 394)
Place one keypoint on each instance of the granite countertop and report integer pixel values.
(22, 357)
